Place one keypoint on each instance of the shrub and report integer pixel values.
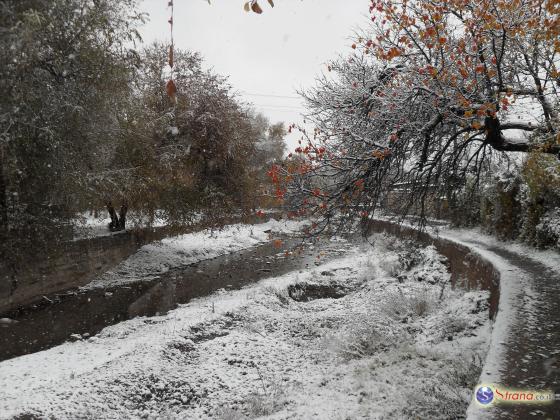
(521, 203)
(547, 232)
(447, 396)
(540, 199)
(499, 207)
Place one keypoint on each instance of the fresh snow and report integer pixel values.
(378, 333)
(88, 225)
(550, 258)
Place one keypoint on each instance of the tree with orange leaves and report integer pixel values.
(434, 92)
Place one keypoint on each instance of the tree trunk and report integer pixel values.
(118, 222)
(496, 139)
(122, 216)
(3, 197)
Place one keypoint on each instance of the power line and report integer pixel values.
(278, 106)
(282, 109)
(270, 95)
(295, 111)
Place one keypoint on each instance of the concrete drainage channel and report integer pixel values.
(75, 263)
(468, 269)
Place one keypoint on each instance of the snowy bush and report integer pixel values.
(548, 230)
(500, 209)
(258, 405)
(516, 202)
(402, 256)
(540, 199)
(432, 267)
(280, 294)
(366, 338)
(409, 262)
(228, 413)
(418, 304)
(447, 396)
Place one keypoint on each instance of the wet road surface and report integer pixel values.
(532, 355)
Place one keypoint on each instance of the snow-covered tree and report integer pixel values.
(196, 152)
(434, 91)
(65, 67)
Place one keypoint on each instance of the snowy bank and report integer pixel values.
(358, 337)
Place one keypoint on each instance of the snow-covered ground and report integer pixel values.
(548, 257)
(156, 258)
(88, 225)
(92, 224)
(378, 333)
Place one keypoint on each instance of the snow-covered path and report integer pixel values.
(525, 352)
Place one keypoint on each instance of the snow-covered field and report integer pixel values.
(156, 258)
(378, 333)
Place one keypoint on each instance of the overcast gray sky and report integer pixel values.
(269, 56)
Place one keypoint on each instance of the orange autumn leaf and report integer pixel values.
(171, 90)
(256, 8)
(393, 52)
